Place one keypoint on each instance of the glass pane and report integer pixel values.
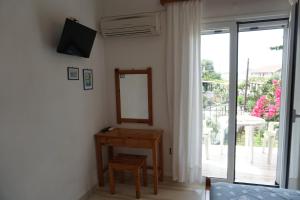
(258, 104)
(215, 81)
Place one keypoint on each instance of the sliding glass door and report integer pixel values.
(260, 66)
(215, 47)
(243, 72)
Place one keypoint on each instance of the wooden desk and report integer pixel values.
(132, 138)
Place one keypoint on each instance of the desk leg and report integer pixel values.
(110, 152)
(161, 160)
(99, 163)
(155, 167)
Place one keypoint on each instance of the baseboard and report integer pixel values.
(89, 193)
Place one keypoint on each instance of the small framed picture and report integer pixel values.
(87, 79)
(73, 73)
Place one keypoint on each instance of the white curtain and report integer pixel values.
(184, 88)
(292, 2)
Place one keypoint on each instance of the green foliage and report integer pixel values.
(251, 103)
(240, 100)
(215, 92)
(258, 137)
(264, 87)
(208, 71)
(240, 137)
(215, 126)
(215, 130)
(207, 102)
(277, 48)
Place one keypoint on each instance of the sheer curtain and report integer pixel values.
(292, 2)
(184, 88)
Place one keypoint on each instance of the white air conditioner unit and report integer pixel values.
(145, 24)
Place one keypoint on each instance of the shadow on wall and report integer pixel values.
(50, 21)
(98, 10)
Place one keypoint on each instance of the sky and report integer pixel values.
(254, 45)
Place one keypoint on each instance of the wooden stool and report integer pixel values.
(129, 163)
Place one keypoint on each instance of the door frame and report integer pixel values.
(291, 72)
(269, 24)
(233, 28)
(233, 88)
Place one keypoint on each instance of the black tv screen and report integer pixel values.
(76, 39)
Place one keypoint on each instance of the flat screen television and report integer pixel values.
(76, 39)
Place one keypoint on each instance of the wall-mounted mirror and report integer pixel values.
(134, 95)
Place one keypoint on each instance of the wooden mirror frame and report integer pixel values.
(148, 72)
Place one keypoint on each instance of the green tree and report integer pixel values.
(264, 87)
(276, 48)
(208, 71)
(215, 92)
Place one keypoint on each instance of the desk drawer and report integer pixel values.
(138, 143)
(113, 141)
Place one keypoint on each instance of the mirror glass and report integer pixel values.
(134, 96)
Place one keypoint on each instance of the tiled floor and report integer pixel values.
(168, 190)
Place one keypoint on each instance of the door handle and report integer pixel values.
(295, 115)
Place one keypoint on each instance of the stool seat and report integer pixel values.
(126, 164)
(129, 163)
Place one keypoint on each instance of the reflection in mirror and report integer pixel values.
(134, 96)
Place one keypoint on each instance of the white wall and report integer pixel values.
(211, 8)
(150, 51)
(47, 122)
(227, 8)
(128, 53)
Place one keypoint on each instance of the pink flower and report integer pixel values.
(277, 95)
(278, 92)
(272, 111)
(268, 107)
(259, 108)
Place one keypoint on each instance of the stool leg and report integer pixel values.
(145, 173)
(111, 180)
(137, 183)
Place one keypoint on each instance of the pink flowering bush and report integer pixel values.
(268, 106)
(260, 106)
